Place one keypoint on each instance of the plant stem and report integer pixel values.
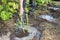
(27, 19)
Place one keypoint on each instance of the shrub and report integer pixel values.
(8, 8)
(38, 2)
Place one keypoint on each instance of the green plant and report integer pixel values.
(38, 2)
(8, 8)
(5, 16)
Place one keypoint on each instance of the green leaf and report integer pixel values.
(3, 15)
(7, 7)
(10, 3)
(12, 10)
(1, 7)
(10, 14)
(27, 10)
(15, 6)
(6, 15)
(27, 1)
(4, 1)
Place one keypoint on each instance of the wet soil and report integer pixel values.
(50, 31)
(21, 33)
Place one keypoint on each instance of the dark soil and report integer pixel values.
(21, 33)
(49, 30)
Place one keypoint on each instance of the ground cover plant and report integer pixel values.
(8, 8)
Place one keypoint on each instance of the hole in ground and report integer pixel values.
(21, 33)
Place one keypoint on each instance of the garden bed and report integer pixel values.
(49, 30)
